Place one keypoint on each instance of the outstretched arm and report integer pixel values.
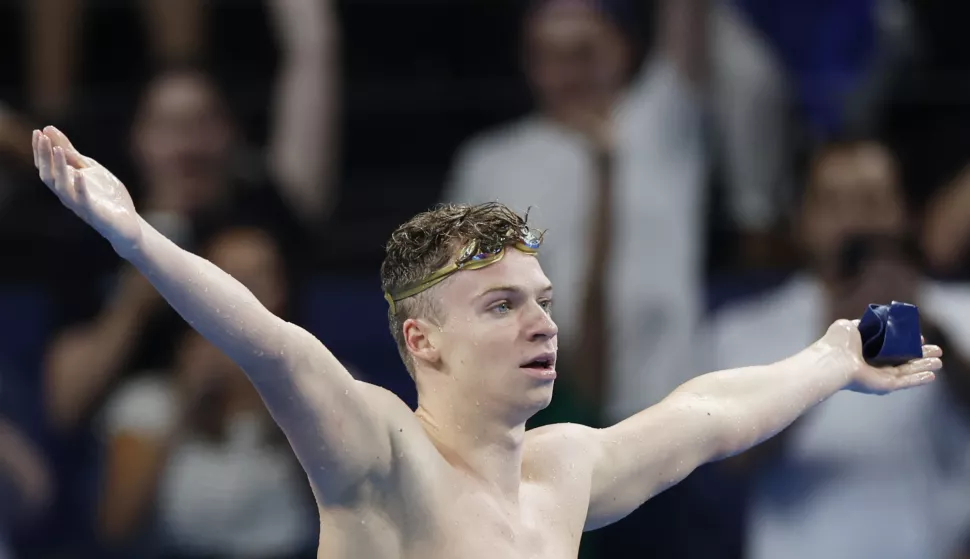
(724, 413)
(331, 420)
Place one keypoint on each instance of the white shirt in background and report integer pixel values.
(242, 497)
(864, 476)
(659, 208)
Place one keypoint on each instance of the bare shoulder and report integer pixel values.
(550, 447)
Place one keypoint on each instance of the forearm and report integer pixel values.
(751, 404)
(81, 364)
(683, 31)
(213, 303)
(304, 147)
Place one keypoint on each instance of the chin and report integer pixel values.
(540, 396)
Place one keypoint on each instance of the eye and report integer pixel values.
(503, 307)
(546, 305)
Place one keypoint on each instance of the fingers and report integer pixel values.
(927, 364)
(59, 139)
(62, 176)
(43, 156)
(80, 187)
(34, 139)
(912, 381)
(932, 351)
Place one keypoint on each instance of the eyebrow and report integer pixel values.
(510, 289)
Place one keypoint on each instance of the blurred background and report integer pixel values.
(720, 180)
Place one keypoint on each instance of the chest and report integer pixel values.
(470, 523)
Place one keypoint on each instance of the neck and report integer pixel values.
(485, 442)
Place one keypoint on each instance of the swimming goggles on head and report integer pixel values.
(473, 256)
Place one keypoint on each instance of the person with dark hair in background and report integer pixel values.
(196, 179)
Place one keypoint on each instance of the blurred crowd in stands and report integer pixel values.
(720, 179)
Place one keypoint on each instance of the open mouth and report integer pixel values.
(541, 363)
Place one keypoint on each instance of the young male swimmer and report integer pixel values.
(470, 310)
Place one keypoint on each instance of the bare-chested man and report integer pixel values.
(470, 310)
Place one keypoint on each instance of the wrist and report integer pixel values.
(834, 367)
(131, 248)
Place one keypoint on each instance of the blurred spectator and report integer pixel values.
(195, 178)
(195, 462)
(613, 165)
(751, 112)
(946, 233)
(176, 30)
(26, 480)
(26, 487)
(860, 476)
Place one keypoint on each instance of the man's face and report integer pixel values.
(853, 191)
(496, 323)
(183, 139)
(576, 60)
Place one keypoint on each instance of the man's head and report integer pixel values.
(577, 58)
(183, 136)
(853, 191)
(475, 331)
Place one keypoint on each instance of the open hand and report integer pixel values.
(844, 339)
(87, 188)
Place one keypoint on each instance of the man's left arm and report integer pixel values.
(720, 414)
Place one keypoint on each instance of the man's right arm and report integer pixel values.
(338, 427)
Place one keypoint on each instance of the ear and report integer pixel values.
(419, 339)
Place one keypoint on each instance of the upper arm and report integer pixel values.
(338, 427)
(647, 453)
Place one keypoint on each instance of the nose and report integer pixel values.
(541, 325)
